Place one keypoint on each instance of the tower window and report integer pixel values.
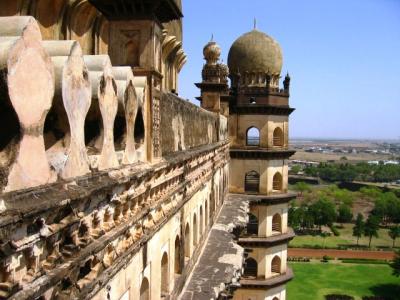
(250, 268)
(252, 182)
(253, 137)
(252, 225)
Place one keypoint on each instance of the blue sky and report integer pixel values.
(343, 57)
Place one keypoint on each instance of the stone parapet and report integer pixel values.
(97, 221)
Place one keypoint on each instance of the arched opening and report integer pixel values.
(187, 241)
(251, 182)
(164, 275)
(145, 289)
(139, 128)
(93, 130)
(201, 221)
(253, 137)
(119, 132)
(252, 225)
(250, 268)
(276, 265)
(194, 230)
(276, 224)
(206, 212)
(277, 182)
(275, 298)
(177, 263)
(278, 137)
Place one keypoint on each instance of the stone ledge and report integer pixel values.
(261, 242)
(258, 153)
(266, 199)
(258, 283)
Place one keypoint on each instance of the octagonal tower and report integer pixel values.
(258, 128)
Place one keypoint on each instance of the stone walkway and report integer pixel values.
(222, 259)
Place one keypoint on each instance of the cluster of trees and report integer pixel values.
(387, 208)
(345, 172)
(370, 228)
(325, 206)
(308, 216)
(332, 205)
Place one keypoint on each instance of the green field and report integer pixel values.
(315, 280)
(345, 239)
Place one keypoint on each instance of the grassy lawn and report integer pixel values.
(315, 280)
(345, 238)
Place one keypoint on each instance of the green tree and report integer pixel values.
(323, 212)
(345, 214)
(371, 228)
(394, 233)
(396, 264)
(302, 187)
(358, 228)
(371, 192)
(295, 169)
(344, 196)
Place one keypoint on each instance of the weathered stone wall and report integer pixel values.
(185, 125)
(79, 20)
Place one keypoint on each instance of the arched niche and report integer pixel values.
(276, 265)
(187, 241)
(278, 139)
(145, 289)
(164, 275)
(177, 257)
(277, 182)
(194, 230)
(276, 224)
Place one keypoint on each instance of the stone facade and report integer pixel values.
(111, 185)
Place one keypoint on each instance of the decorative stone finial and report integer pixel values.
(211, 52)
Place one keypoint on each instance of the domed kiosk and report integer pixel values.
(254, 56)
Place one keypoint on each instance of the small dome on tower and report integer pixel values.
(255, 51)
(211, 52)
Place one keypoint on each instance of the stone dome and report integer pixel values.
(255, 51)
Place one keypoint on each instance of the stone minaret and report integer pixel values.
(214, 85)
(258, 128)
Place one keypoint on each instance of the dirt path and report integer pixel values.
(318, 253)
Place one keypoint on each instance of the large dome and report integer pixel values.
(255, 51)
